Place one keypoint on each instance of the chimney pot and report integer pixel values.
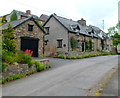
(28, 12)
(82, 22)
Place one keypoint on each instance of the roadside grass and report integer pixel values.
(84, 56)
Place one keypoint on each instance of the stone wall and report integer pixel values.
(22, 31)
(56, 32)
(14, 69)
(83, 38)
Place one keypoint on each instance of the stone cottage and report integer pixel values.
(21, 15)
(28, 35)
(44, 18)
(60, 31)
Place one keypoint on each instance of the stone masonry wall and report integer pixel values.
(22, 31)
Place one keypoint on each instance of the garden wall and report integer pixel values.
(14, 69)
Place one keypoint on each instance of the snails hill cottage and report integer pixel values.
(66, 35)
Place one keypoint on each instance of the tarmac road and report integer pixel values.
(67, 78)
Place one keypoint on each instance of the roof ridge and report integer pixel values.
(64, 18)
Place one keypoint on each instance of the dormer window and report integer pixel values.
(75, 28)
(89, 33)
(30, 27)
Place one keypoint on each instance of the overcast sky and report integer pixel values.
(93, 11)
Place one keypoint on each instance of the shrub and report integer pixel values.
(68, 57)
(4, 65)
(6, 53)
(29, 52)
(31, 72)
(4, 81)
(105, 53)
(60, 56)
(39, 66)
(27, 58)
(30, 63)
(78, 57)
(73, 57)
(10, 59)
(37, 63)
(9, 78)
(21, 57)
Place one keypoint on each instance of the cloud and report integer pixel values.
(94, 11)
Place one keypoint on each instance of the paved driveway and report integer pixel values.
(71, 78)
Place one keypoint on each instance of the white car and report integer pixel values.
(118, 48)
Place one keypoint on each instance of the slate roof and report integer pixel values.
(46, 16)
(75, 27)
(19, 22)
(26, 15)
(15, 23)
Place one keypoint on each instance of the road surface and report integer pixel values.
(73, 78)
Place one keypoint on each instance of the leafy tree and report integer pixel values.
(2, 21)
(13, 17)
(8, 42)
(114, 34)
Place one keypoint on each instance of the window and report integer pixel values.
(78, 43)
(47, 30)
(30, 27)
(59, 43)
(46, 42)
(89, 32)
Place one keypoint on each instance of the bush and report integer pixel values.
(68, 57)
(39, 66)
(61, 56)
(27, 58)
(22, 57)
(30, 63)
(73, 57)
(105, 53)
(9, 78)
(4, 65)
(10, 59)
(31, 72)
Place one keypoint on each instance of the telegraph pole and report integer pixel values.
(103, 24)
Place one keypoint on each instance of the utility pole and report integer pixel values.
(103, 24)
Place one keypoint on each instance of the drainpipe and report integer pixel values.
(43, 43)
(84, 43)
(68, 42)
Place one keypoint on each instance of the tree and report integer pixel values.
(13, 16)
(113, 31)
(8, 42)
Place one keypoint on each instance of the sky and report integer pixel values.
(100, 13)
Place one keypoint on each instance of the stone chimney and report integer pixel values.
(82, 22)
(28, 12)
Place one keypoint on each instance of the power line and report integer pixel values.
(21, 3)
